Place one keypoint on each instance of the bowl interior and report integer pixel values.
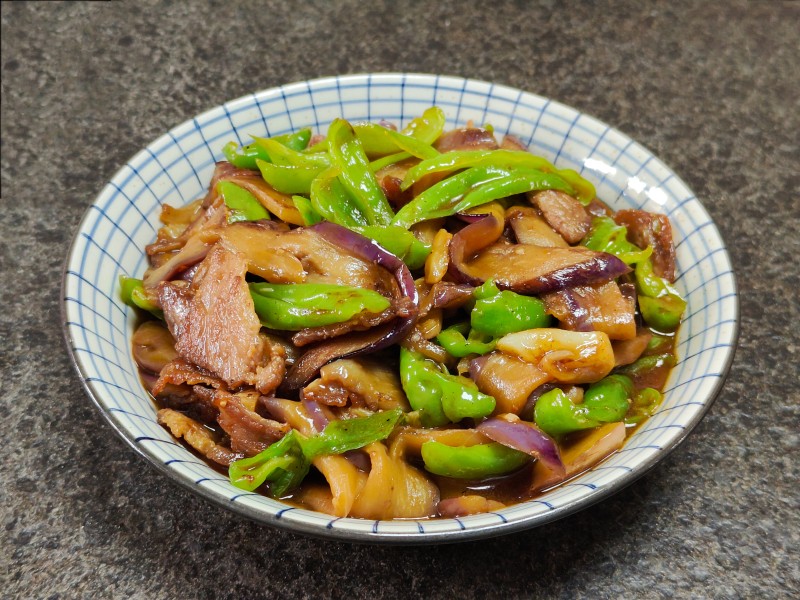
(176, 168)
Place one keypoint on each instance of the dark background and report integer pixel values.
(712, 88)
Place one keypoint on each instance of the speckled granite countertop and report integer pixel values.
(711, 87)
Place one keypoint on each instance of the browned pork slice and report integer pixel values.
(196, 435)
(361, 381)
(651, 229)
(599, 307)
(466, 138)
(563, 213)
(181, 372)
(214, 323)
(249, 432)
(512, 142)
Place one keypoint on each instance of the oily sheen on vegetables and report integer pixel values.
(392, 324)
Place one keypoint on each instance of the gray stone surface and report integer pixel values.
(711, 87)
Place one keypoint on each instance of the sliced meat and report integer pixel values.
(563, 213)
(261, 245)
(196, 435)
(212, 216)
(214, 322)
(361, 322)
(466, 138)
(390, 178)
(530, 228)
(600, 307)
(180, 371)
(628, 351)
(512, 142)
(327, 394)
(367, 382)
(651, 229)
(445, 294)
(249, 432)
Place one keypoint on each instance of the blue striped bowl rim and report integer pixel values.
(176, 168)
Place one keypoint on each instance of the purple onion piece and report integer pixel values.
(476, 366)
(450, 295)
(527, 412)
(318, 416)
(471, 217)
(525, 438)
(359, 459)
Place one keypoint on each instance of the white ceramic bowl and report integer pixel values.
(176, 169)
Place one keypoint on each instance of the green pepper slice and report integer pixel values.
(497, 313)
(348, 156)
(292, 307)
(438, 396)
(471, 462)
(242, 205)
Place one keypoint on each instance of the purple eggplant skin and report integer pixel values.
(596, 269)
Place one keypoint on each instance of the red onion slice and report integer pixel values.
(525, 438)
(318, 416)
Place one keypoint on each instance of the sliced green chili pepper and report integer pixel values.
(425, 129)
(497, 313)
(348, 156)
(660, 304)
(660, 344)
(334, 203)
(662, 313)
(518, 181)
(242, 205)
(132, 293)
(282, 155)
(412, 145)
(439, 396)
(390, 159)
(648, 363)
(306, 210)
(511, 160)
(606, 401)
(283, 464)
(351, 434)
(245, 156)
(606, 236)
(428, 126)
(297, 140)
(443, 198)
(286, 462)
(463, 159)
(454, 341)
(291, 307)
(288, 179)
(471, 462)
(644, 404)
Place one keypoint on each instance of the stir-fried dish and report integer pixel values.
(391, 324)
